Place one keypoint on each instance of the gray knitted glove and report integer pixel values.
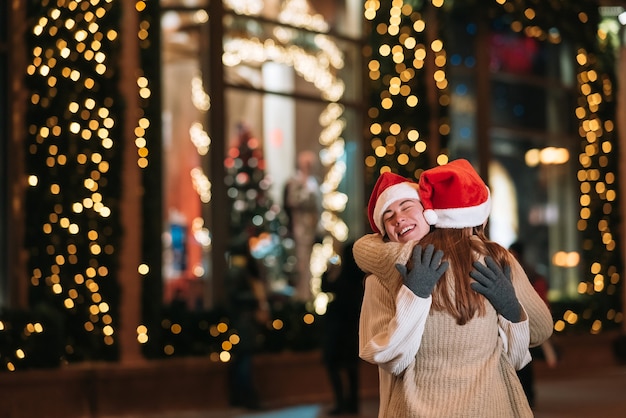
(426, 272)
(496, 286)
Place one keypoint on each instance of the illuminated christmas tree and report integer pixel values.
(255, 219)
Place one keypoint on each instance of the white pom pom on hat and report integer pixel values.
(454, 196)
(431, 216)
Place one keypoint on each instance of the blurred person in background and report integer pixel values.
(343, 281)
(250, 312)
(545, 351)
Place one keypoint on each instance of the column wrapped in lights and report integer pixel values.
(147, 130)
(599, 214)
(73, 162)
(401, 58)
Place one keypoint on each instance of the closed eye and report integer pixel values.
(404, 206)
(407, 204)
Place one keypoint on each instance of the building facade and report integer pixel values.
(141, 139)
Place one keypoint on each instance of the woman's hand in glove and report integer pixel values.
(495, 284)
(426, 271)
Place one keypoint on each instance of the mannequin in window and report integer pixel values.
(302, 201)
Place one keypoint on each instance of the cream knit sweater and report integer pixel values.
(428, 365)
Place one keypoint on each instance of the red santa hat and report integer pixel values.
(454, 196)
(389, 188)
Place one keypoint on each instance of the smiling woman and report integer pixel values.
(404, 220)
(395, 210)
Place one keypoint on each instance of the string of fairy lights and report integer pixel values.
(397, 67)
(597, 188)
(73, 160)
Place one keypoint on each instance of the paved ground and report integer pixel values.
(587, 383)
(594, 394)
(588, 393)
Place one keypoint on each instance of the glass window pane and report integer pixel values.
(281, 129)
(184, 105)
(519, 105)
(515, 54)
(326, 65)
(541, 188)
(184, 3)
(337, 16)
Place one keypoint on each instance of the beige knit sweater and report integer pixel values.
(428, 365)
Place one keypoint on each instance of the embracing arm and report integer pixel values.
(386, 337)
(375, 256)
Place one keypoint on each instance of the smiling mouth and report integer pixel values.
(406, 229)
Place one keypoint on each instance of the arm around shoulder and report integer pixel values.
(373, 255)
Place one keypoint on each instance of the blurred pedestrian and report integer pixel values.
(249, 312)
(343, 281)
(545, 351)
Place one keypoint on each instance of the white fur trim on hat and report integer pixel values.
(456, 218)
(406, 190)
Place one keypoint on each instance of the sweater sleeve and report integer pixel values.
(540, 321)
(375, 256)
(386, 337)
(515, 337)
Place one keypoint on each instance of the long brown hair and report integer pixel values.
(453, 293)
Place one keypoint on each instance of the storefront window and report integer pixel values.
(291, 88)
